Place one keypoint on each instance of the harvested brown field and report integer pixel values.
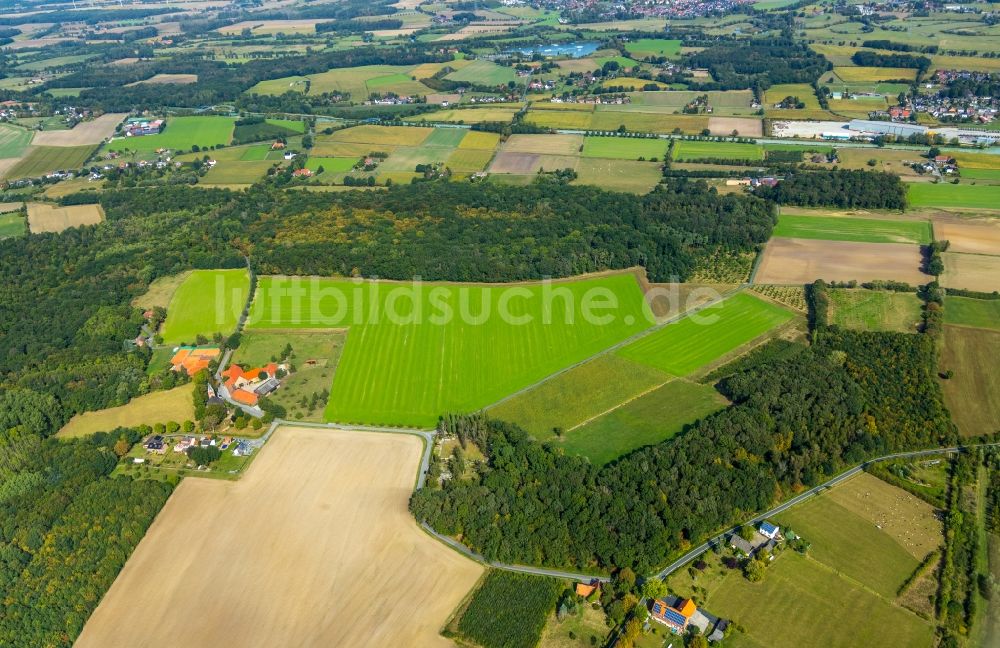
(745, 126)
(910, 521)
(314, 546)
(976, 236)
(517, 163)
(49, 218)
(94, 131)
(971, 271)
(180, 79)
(544, 144)
(800, 261)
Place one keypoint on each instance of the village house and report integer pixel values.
(191, 359)
(302, 173)
(586, 589)
(246, 386)
(675, 615)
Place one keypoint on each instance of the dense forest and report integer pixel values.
(838, 188)
(796, 419)
(759, 64)
(484, 232)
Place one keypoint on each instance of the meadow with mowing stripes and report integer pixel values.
(416, 350)
(43, 159)
(696, 150)
(683, 347)
(208, 302)
(859, 230)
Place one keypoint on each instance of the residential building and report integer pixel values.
(675, 615)
(769, 530)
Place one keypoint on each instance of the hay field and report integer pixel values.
(92, 132)
(161, 291)
(175, 404)
(628, 176)
(13, 141)
(800, 261)
(875, 310)
(624, 148)
(960, 196)
(393, 135)
(177, 79)
(43, 217)
(855, 74)
(974, 236)
(971, 272)
(314, 546)
(972, 394)
(861, 230)
(977, 313)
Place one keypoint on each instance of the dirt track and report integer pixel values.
(313, 547)
(799, 261)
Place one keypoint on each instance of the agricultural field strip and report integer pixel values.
(624, 343)
(619, 405)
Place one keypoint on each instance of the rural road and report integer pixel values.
(705, 546)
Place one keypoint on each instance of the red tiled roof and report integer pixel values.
(245, 397)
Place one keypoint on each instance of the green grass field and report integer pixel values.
(12, 224)
(623, 148)
(682, 347)
(40, 160)
(978, 313)
(13, 141)
(850, 544)
(694, 150)
(208, 301)
(875, 310)
(182, 133)
(237, 172)
(801, 600)
(579, 394)
(949, 195)
(859, 230)
(972, 394)
(469, 160)
(433, 349)
(483, 72)
(649, 419)
(981, 174)
(331, 164)
(653, 47)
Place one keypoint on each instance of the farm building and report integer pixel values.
(143, 127)
(886, 128)
(675, 616)
(193, 359)
(246, 386)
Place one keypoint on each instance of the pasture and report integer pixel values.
(651, 418)
(971, 271)
(331, 164)
(619, 175)
(653, 47)
(39, 160)
(875, 310)
(857, 74)
(181, 134)
(175, 405)
(623, 148)
(699, 339)
(579, 394)
(972, 394)
(847, 539)
(377, 135)
(320, 511)
(91, 132)
(13, 141)
(483, 72)
(860, 230)
(435, 347)
(801, 599)
(360, 82)
(977, 313)
(43, 217)
(12, 224)
(697, 150)
(960, 196)
(208, 302)
(801, 261)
